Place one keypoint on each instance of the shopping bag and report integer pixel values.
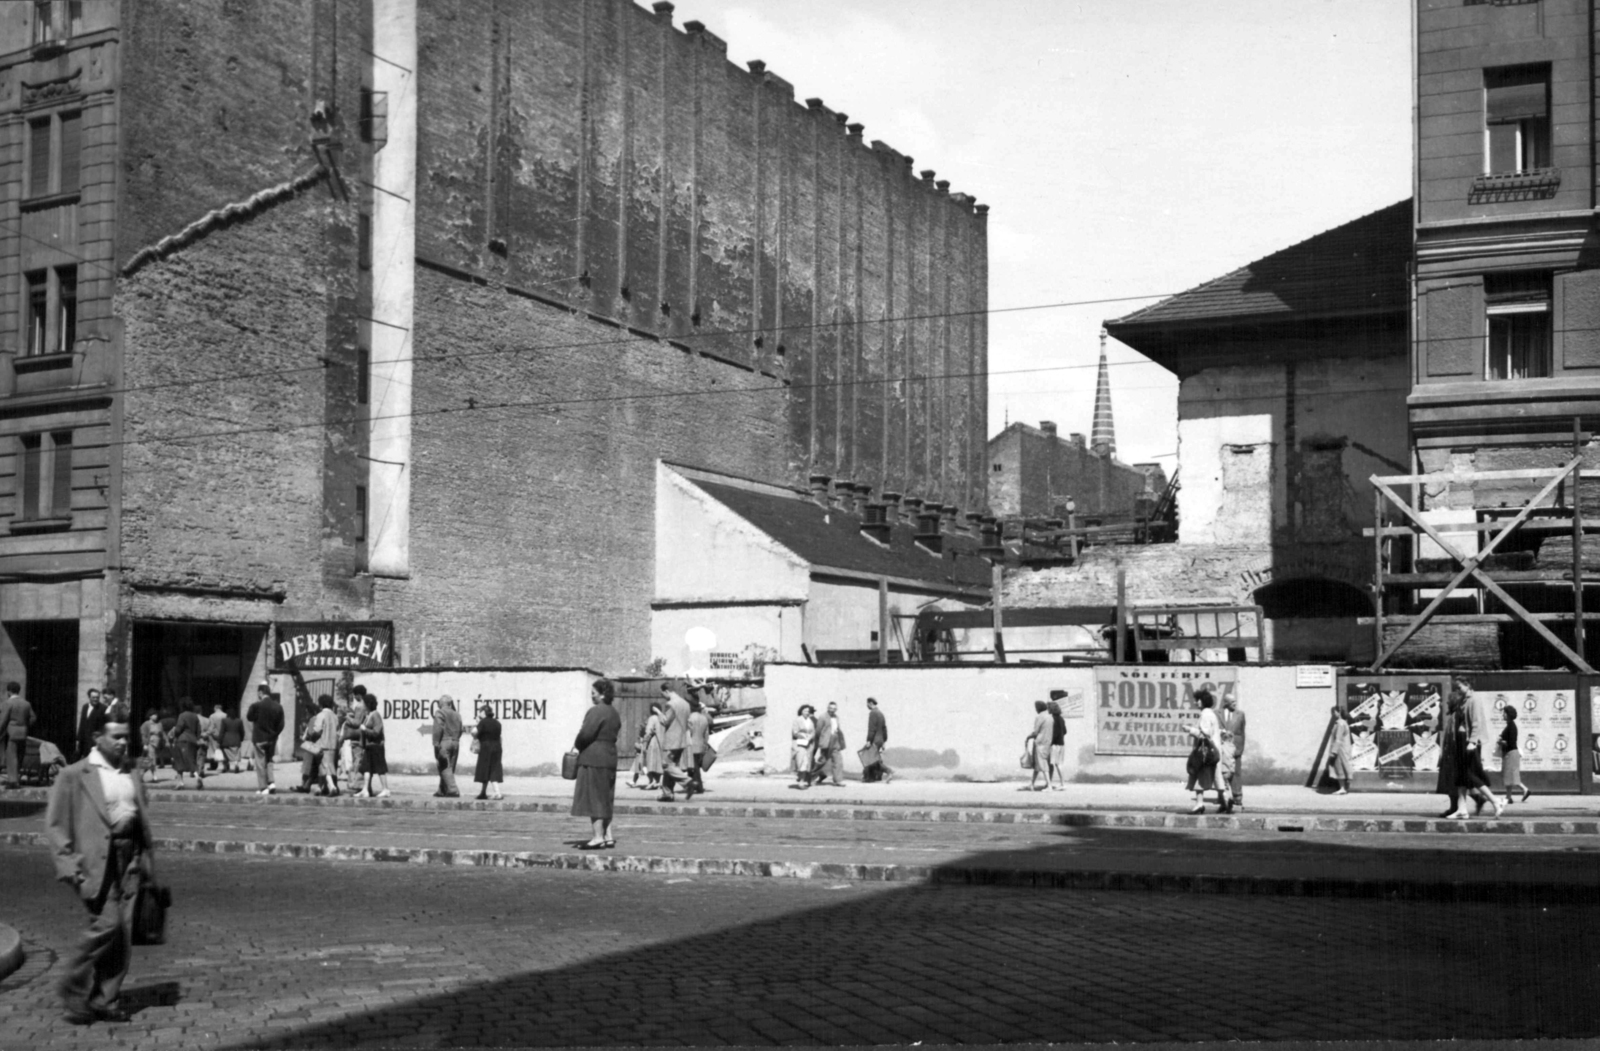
(569, 765)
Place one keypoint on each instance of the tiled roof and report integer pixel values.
(832, 539)
(1357, 268)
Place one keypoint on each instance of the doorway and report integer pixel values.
(207, 663)
(49, 652)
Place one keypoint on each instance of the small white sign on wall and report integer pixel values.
(1313, 676)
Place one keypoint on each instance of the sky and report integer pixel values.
(1126, 148)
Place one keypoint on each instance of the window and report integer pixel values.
(363, 375)
(999, 467)
(374, 117)
(52, 311)
(46, 476)
(361, 512)
(55, 154)
(364, 240)
(1516, 111)
(45, 28)
(1519, 325)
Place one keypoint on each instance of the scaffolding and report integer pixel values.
(1508, 556)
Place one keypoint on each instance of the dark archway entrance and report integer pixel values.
(1315, 619)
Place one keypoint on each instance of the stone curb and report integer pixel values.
(1547, 893)
(1268, 822)
(10, 951)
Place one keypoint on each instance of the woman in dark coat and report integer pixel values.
(594, 795)
(488, 772)
(1452, 757)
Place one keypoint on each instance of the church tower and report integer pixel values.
(1103, 436)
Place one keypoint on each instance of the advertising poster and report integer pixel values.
(1547, 728)
(1393, 725)
(1147, 709)
(1594, 739)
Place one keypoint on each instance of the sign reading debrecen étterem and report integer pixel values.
(335, 644)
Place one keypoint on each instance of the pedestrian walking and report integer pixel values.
(1058, 746)
(1206, 754)
(310, 752)
(1510, 757)
(265, 717)
(91, 717)
(1452, 744)
(446, 745)
(355, 763)
(99, 833)
(372, 738)
(674, 745)
(230, 738)
(650, 747)
(326, 742)
(801, 733)
(1037, 743)
(1233, 735)
(1478, 733)
(829, 763)
(877, 739)
(487, 771)
(210, 738)
(1339, 750)
(16, 721)
(699, 741)
(150, 741)
(594, 793)
(186, 734)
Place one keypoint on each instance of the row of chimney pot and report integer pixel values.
(878, 517)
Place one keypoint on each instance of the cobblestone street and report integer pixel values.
(283, 953)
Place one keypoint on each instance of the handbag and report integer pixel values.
(150, 914)
(569, 765)
(474, 744)
(1027, 759)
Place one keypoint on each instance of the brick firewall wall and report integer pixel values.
(533, 528)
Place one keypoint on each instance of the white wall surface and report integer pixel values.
(963, 720)
(706, 552)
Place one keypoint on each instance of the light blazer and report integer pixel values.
(79, 826)
(675, 724)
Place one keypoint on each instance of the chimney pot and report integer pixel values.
(813, 103)
(694, 27)
(819, 489)
(981, 209)
(1077, 439)
(663, 8)
(910, 510)
(927, 175)
(757, 66)
(855, 130)
(1048, 427)
(943, 185)
(875, 522)
(844, 495)
(841, 117)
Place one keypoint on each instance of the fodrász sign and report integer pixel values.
(335, 644)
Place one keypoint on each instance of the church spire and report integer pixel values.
(1103, 436)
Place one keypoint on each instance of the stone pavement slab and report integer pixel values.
(272, 954)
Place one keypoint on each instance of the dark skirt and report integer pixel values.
(377, 762)
(594, 794)
(1471, 773)
(186, 758)
(488, 766)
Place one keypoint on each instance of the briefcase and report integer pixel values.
(708, 757)
(150, 914)
(569, 765)
(869, 756)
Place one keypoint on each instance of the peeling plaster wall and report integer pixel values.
(705, 552)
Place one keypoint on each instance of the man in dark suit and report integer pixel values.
(265, 717)
(91, 717)
(830, 747)
(99, 834)
(877, 737)
(16, 720)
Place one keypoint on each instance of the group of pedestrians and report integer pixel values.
(1216, 757)
(1465, 734)
(673, 744)
(817, 751)
(1045, 748)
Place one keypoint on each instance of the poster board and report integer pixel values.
(1394, 724)
(1146, 709)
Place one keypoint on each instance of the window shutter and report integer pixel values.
(1514, 102)
(61, 483)
(39, 161)
(71, 146)
(1453, 324)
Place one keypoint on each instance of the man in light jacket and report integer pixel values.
(447, 745)
(99, 833)
(674, 745)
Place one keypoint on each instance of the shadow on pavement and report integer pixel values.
(943, 964)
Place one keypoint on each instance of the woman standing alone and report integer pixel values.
(1510, 758)
(488, 771)
(595, 792)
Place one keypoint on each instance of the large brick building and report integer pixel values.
(387, 311)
